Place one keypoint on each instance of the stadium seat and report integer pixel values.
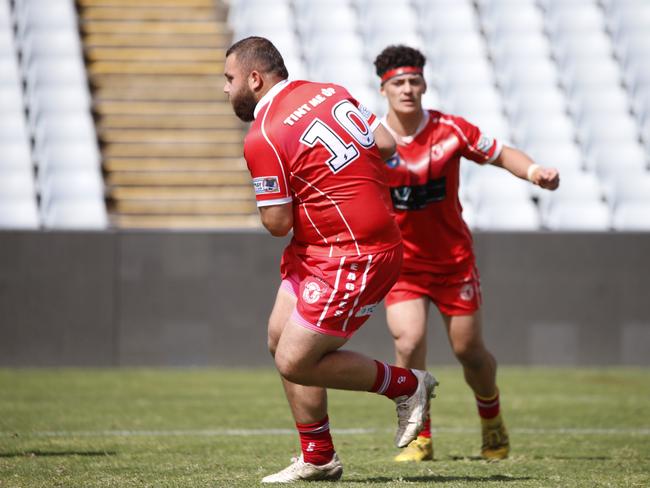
(489, 184)
(9, 73)
(521, 215)
(17, 183)
(566, 157)
(60, 98)
(69, 155)
(632, 216)
(532, 132)
(580, 187)
(441, 47)
(19, 214)
(631, 188)
(11, 99)
(13, 127)
(71, 184)
(15, 154)
(578, 216)
(76, 214)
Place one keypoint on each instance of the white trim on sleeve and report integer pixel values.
(497, 152)
(276, 201)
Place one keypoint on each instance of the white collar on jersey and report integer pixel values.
(268, 96)
(407, 139)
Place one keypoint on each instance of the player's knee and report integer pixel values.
(288, 367)
(408, 343)
(471, 355)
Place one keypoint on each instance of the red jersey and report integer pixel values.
(424, 188)
(312, 144)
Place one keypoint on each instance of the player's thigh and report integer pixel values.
(285, 303)
(300, 348)
(465, 332)
(408, 319)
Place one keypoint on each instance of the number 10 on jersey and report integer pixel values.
(348, 118)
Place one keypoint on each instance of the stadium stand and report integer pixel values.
(171, 147)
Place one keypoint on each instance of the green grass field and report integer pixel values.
(228, 428)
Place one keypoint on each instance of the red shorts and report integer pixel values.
(454, 294)
(337, 295)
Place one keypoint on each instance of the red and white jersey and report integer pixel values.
(312, 144)
(424, 188)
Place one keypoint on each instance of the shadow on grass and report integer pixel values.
(575, 458)
(441, 479)
(38, 453)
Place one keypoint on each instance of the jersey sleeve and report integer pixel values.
(268, 170)
(475, 145)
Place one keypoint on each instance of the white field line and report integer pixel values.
(641, 431)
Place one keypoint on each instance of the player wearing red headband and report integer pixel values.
(439, 264)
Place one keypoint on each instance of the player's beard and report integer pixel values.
(243, 103)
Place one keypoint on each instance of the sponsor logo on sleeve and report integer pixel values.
(266, 184)
(365, 111)
(485, 143)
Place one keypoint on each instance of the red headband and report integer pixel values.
(402, 70)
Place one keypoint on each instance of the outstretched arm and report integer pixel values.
(519, 164)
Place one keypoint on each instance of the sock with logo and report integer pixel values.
(316, 442)
(488, 407)
(393, 381)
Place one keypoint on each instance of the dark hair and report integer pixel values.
(258, 53)
(397, 56)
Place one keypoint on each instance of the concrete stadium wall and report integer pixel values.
(202, 298)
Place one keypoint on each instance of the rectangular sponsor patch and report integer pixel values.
(485, 143)
(266, 184)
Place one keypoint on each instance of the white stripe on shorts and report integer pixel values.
(363, 287)
(336, 286)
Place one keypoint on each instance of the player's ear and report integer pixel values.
(382, 90)
(255, 81)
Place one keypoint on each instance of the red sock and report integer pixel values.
(488, 408)
(393, 381)
(426, 430)
(316, 442)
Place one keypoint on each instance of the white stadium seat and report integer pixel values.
(508, 216)
(579, 216)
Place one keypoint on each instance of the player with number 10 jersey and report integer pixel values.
(313, 143)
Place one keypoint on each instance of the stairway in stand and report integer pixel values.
(171, 145)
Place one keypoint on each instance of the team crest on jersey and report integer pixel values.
(437, 152)
(311, 292)
(266, 184)
(467, 292)
(393, 162)
(485, 143)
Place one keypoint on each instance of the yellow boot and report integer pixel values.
(420, 449)
(496, 444)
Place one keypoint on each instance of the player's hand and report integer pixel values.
(547, 178)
